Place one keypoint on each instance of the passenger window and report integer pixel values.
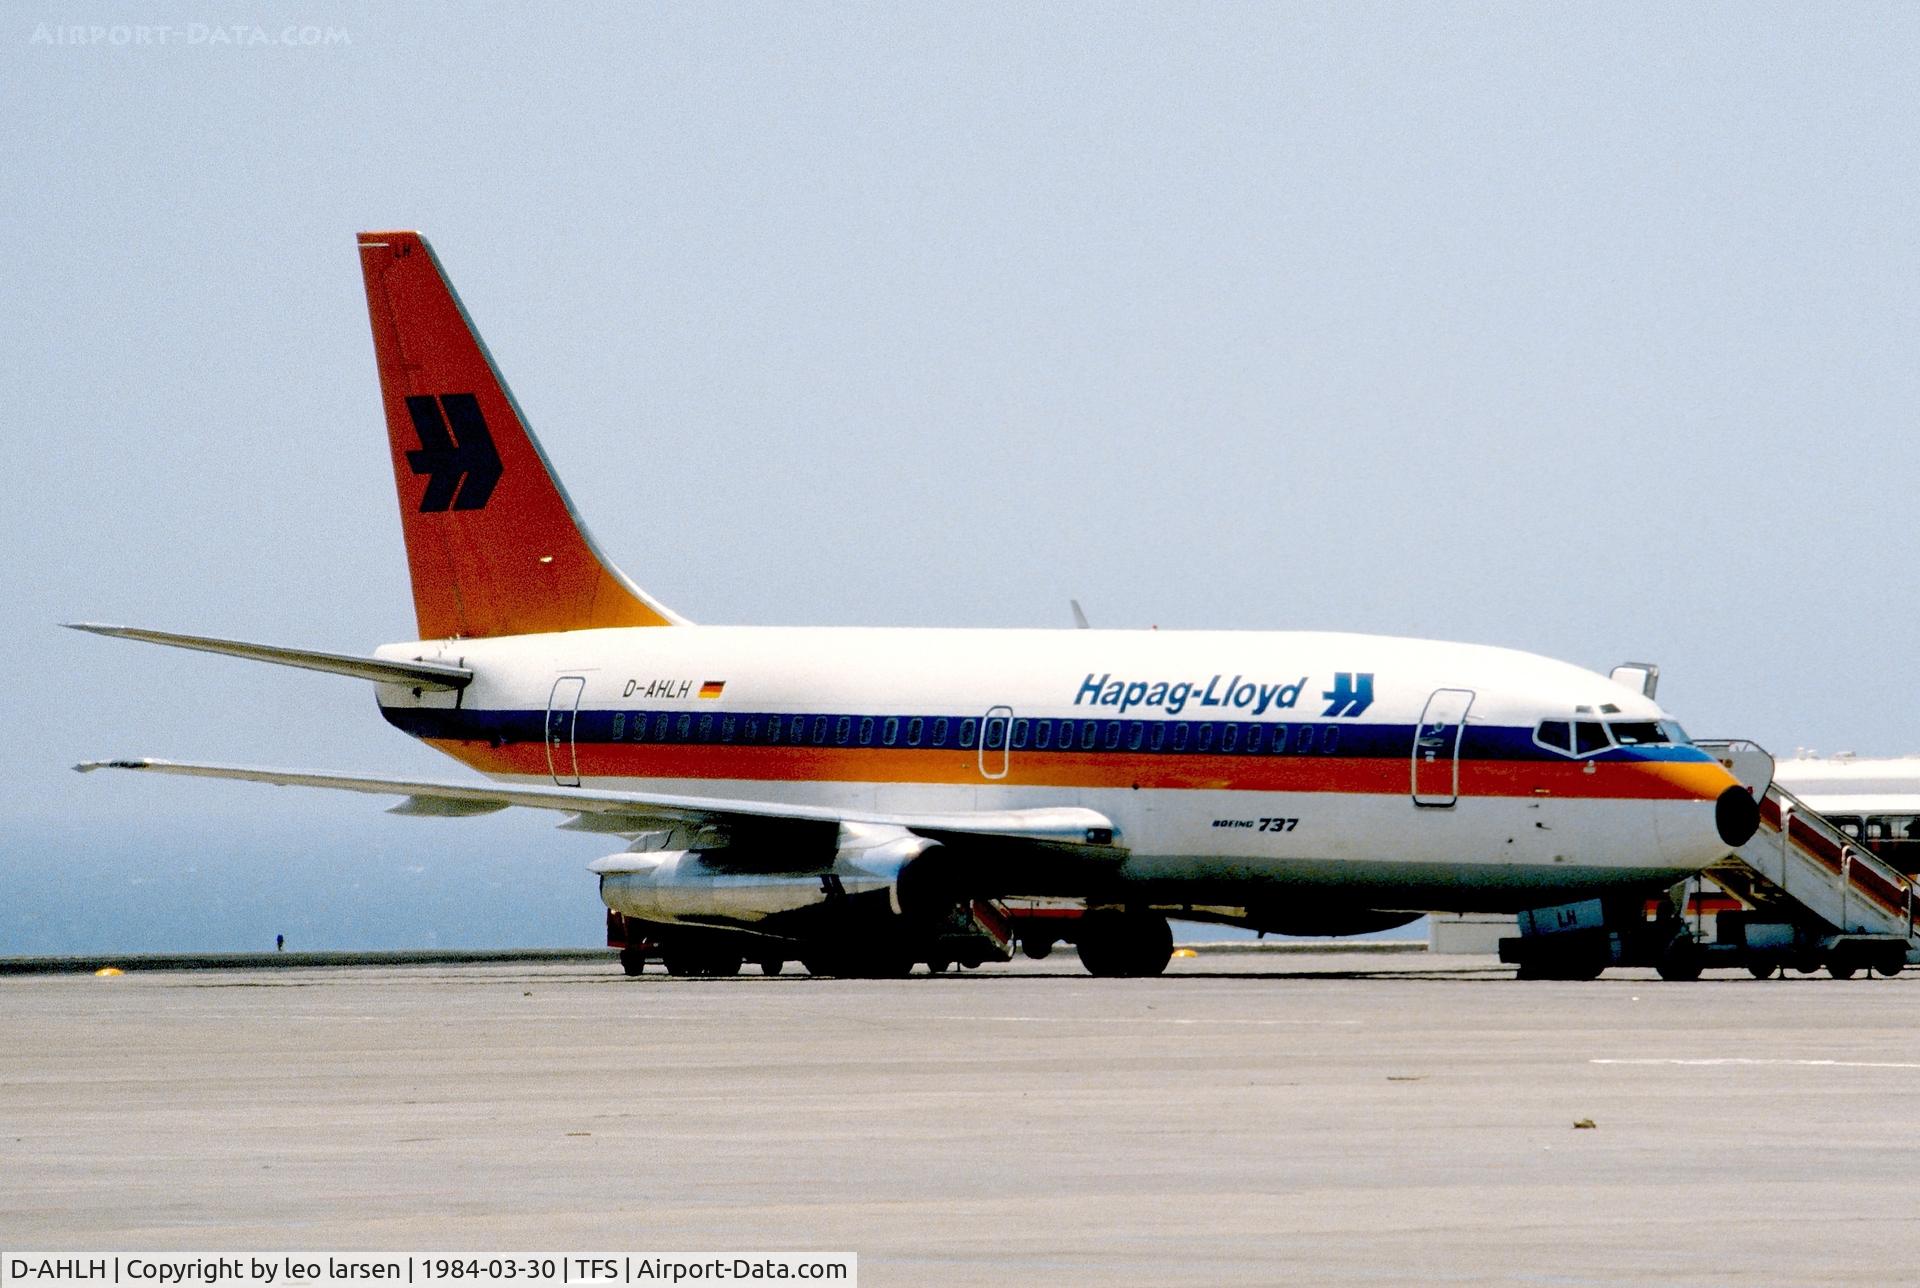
(967, 730)
(940, 732)
(842, 730)
(1589, 736)
(1043, 734)
(1158, 738)
(1113, 734)
(1136, 734)
(1205, 742)
(1180, 735)
(619, 725)
(1252, 739)
(706, 728)
(1555, 735)
(1230, 738)
(915, 727)
(1088, 732)
(660, 727)
(773, 729)
(1020, 731)
(727, 726)
(685, 727)
(797, 729)
(890, 731)
(1279, 739)
(639, 726)
(1304, 742)
(819, 731)
(1330, 741)
(866, 731)
(1849, 825)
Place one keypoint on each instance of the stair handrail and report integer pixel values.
(1794, 810)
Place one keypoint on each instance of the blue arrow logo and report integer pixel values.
(1350, 695)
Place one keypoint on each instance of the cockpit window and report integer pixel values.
(1636, 733)
(1675, 734)
(1589, 736)
(1556, 735)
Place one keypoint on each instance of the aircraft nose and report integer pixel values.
(1737, 815)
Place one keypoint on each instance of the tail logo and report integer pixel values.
(456, 452)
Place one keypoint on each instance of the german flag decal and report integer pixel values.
(711, 688)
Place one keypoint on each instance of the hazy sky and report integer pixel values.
(1587, 330)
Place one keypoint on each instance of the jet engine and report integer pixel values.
(878, 876)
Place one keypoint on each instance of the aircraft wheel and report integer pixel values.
(1843, 967)
(771, 965)
(1038, 949)
(1763, 968)
(1890, 964)
(1681, 959)
(632, 962)
(938, 967)
(1118, 945)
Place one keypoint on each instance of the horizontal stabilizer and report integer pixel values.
(420, 675)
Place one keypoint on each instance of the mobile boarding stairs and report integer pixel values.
(1805, 895)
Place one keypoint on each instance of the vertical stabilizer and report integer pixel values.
(493, 544)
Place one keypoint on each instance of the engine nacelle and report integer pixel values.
(878, 875)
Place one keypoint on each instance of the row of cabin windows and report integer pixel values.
(945, 732)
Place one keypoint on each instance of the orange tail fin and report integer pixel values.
(492, 541)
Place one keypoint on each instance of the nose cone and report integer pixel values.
(1737, 816)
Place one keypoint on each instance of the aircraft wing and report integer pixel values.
(1061, 829)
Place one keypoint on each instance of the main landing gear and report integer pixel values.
(1116, 943)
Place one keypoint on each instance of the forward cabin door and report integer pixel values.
(563, 711)
(1436, 748)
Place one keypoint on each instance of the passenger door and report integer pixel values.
(1436, 748)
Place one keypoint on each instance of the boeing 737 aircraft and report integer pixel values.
(846, 796)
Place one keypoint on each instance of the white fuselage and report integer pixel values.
(1235, 766)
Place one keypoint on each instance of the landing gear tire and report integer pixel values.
(938, 967)
(1681, 959)
(1890, 964)
(1843, 967)
(1037, 949)
(1763, 968)
(632, 961)
(771, 965)
(1125, 945)
(694, 964)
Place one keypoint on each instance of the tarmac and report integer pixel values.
(1250, 1118)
